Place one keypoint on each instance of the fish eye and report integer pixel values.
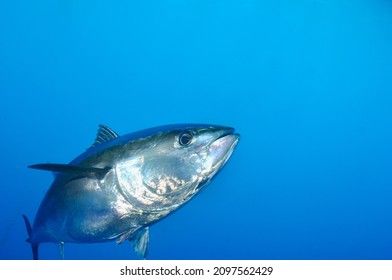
(185, 138)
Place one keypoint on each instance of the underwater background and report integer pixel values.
(307, 84)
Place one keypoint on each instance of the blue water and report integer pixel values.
(307, 84)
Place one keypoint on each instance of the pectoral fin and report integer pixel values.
(140, 240)
(90, 172)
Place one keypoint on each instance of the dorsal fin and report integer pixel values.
(104, 134)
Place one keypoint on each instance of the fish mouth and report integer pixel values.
(223, 146)
(227, 137)
(220, 150)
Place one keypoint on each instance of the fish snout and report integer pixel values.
(223, 146)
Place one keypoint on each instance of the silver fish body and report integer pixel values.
(123, 184)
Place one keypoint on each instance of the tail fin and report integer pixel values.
(34, 247)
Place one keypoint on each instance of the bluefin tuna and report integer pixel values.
(121, 185)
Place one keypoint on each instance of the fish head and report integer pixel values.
(178, 163)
